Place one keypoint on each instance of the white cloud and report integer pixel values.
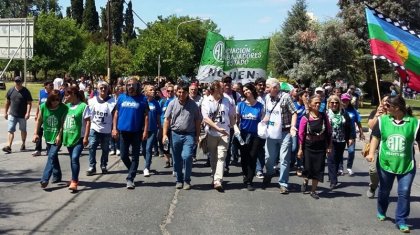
(265, 20)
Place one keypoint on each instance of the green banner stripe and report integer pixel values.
(413, 64)
(376, 31)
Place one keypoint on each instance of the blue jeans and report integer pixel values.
(133, 139)
(334, 159)
(53, 165)
(182, 150)
(261, 159)
(95, 139)
(350, 159)
(386, 181)
(276, 149)
(294, 161)
(147, 147)
(75, 152)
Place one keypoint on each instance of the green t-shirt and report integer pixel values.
(396, 150)
(72, 131)
(52, 121)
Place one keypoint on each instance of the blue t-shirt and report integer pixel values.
(354, 115)
(250, 116)
(131, 110)
(164, 105)
(154, 113)
(43, 95)
(300, 112)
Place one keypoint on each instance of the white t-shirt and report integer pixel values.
(274, 128)
(101, 114)
(222, 119)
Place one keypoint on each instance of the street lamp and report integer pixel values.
(188, 21)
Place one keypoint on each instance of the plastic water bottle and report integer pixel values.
(166, 144)
(239, 138)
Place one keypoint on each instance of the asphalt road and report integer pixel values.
(104, 206)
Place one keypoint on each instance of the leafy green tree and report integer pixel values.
(90, 16)
(57, 43)
(104, 23)
(129, 24)
(77, 11)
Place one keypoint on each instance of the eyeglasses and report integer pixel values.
(333, 102)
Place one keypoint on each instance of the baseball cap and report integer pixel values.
(345, 96)
(319, 89)
(18, 79)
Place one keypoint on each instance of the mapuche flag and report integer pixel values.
(396, 43)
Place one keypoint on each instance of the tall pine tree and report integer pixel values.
(297, 20)
(90, 16)
(129, 24)
(117, 20)
(77, 11)
(104, 23)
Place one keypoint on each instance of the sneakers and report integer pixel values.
(314, 195)
(118, 152)
(187, 186)
(22, 147)
(7, 149)
(218, 185)
(380, 216)
(249, 187)
(370, 193)
(266, 182)
(146, 172)
(104, 170)
(260, 175)
(43, 184)
(404, 228)
(350, 172)
(299, 172)
(340, 173)
(36, 154)
(112, 152)
(178, 185)
(284, 190)
(304, 186)
(91, 171)
(73, 185)
(130, 184)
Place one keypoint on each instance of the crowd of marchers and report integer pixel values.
(268, 131)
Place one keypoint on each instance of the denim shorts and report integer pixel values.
(12, 121)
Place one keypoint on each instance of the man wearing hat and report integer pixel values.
(17, 110)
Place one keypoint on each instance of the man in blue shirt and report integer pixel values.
(131, 123)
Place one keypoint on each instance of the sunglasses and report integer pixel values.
(334, 102)
(103, 88)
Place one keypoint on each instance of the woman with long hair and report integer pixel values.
(396, 133)
(76, 130)
(315, 143)
(249, 113)
(52, 114)
(343, 132)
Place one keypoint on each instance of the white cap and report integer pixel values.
(319, 89)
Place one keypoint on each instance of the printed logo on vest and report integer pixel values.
(396, 143)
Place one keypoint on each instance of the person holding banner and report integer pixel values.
(395, 134)
(281, 119)
(249, 113)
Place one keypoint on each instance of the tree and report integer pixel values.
(104, 23)
(77, 11)
(129, 24)
(24, 8)
(90, 16)
(297, 20)
(117, 19)
(57, 43)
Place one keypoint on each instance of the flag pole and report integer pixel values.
(377, 81)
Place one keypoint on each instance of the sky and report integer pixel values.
(242, 19)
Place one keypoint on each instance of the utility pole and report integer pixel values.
(109, 43)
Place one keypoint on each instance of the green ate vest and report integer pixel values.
(396, 151)
(72, 131)
(52, 121)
